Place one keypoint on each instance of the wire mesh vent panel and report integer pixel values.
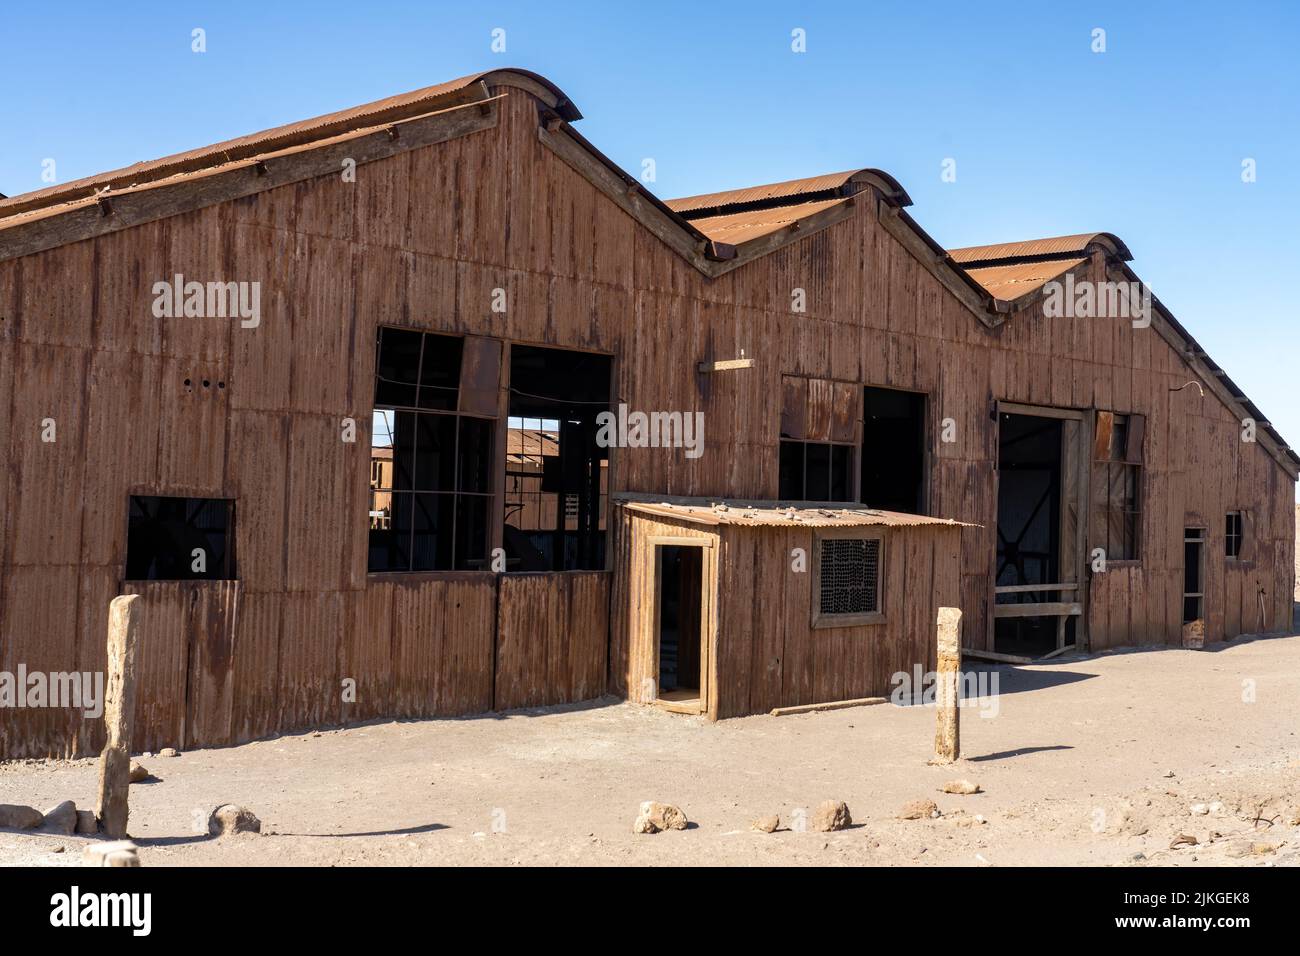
(850, 575)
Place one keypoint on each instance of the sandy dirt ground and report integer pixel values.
(1100, 760)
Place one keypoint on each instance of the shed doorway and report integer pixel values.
(679, 591)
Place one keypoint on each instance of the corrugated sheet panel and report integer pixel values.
(731, 197)
(1011, 282)
(743, 226)
(1059, 245)
(780, 515)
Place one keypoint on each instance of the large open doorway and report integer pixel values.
(1037, 609)
(679, 600)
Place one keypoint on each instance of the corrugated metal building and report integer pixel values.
(331, 397)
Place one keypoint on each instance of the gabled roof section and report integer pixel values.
(466, 89)
(1037, 250)
(790, 192)
(1014, 271)
(1011, 282)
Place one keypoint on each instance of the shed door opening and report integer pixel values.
(680, 573)
(1193, 579)
(1028, 532)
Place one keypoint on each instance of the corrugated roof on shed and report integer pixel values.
(777, 514)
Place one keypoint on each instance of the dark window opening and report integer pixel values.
(556, 479)
(1234, 531)
(180, 539)
(816, 471)
(430, 461)
(1193, 591)
(893, 450)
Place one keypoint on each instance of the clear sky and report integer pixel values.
(1145, 140)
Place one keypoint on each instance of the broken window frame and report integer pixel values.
(414, 496)
(822, 619)
(590, 537)
(1119, 462)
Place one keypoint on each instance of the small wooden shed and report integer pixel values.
(736, 608)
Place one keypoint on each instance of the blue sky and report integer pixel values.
(1145, 140)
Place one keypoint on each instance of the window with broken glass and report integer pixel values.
(1118, 476)
(430, 458)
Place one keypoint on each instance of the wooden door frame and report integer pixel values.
(654, 542)
(1086, 420)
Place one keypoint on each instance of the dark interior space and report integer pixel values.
(556, 473)
(816, 471)
(1193, 590)
(1028, 529)
(680, 581)
(893, 450)
(180, 539)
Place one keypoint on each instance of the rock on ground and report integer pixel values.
(961, 786)
(139, 772)
(831, 815)
(113, 853)
(17, 817)
(918, 810)
(654, 817)
(767, 824)
(61, 819)
(86, 822)
(229, 818)
(168, 752)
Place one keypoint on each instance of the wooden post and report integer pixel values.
(119, 711)
(947, 745)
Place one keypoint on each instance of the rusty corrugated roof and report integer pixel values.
(773, 514)
(791, 192)
(751, 194)
(390, 109)
(1055, 247)
(742, 226)
(1013, 281)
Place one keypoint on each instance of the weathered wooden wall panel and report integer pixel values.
(552, 638)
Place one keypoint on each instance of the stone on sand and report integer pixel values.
(231, 818)
(918, 810)
(14, 816)
(61, 819)
(655, 817)
(831, 815)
